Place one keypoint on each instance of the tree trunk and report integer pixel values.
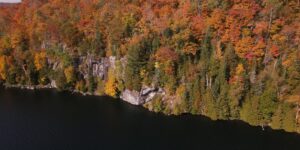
(199, 7)
(206, 79)
(275, 64)
(268, 36)
(297, 115)
(210, 82)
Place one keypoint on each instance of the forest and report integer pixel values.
(225, 59)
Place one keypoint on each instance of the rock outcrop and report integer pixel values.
(142, 97)
(98, 67)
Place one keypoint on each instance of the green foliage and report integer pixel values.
(60, 80)
(91, 83)
(267, 105)
(137, 58)
(250, 111)
(210, 106)
(289, 121)
(284, 118)
(277, 118)
(196, 98)
(158, 104)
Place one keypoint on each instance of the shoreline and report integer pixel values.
(39, 87)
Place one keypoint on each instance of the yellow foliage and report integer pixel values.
(246, 32)
(40, 60)
(143, 73)
(279, 38)
(111, 86)
(157, 65)
(5, 44)
(216, 19)
(190, 48)
(100, 87)
(259, 49)
(70, 74)
(244, 46)
(287, 63)
(3, 67)
(180, 91)
(43, 79)
(80, 85)
(16, 38)
(276, 26)
(240, 69)
(219, 52)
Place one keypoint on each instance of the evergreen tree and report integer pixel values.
(289, 121)
(250, 111)
(196, 97)
(277, 118)
(137, 58)
(267, 105)
(60, 80)
(210, 105)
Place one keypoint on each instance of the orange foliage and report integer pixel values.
(190, 48)
(259, 48)
(261, 27)
(165, 54)
(275, 50)
(198, 26)
(217, 19)
(3, 67)
(244, 47)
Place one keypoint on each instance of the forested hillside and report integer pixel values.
(226, 59)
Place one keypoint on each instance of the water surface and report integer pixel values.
(51, 120)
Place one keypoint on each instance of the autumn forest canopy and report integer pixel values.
(226, 59)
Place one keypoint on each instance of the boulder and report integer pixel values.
(142, 97)
(53, 84)
(132, 97)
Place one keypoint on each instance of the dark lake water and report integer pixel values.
(51, 120)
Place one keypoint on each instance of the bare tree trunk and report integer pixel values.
(27, 73)
(206, 79)
(262, 126)
(199, 7)
(275, 64)
(210, 82)
(297, 115)
(268, 35)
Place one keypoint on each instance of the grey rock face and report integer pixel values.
(53, 84)
(142, 97)
(99, 68)
(132, 97)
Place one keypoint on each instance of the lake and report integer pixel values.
(51, 120)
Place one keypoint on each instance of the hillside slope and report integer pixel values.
(226, 59)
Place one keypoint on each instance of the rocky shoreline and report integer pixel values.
(99, 69)
(132, 97)
(29, 87)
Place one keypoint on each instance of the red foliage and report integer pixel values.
(275, 51)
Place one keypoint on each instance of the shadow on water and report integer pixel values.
(47, 119)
